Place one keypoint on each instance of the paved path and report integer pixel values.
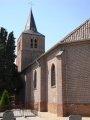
(23, 115)
(59, 118)
(28, 118)
(28, 115)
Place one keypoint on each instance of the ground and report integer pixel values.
(20, 115)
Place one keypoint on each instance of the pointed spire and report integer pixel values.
(30, 25)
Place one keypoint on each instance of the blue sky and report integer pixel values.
(54, 18)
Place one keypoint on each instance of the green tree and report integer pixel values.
(8, 70)
(3, 40)
(6, 62)
(17, 84)
(3, 36)
(11, 48)
(4, 102)
(10, 58)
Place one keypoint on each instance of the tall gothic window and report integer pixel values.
(53, 81)
(35, 45)
(31, 43)
(35, 79)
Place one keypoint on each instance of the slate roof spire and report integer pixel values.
(30, 25)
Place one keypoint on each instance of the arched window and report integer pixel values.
(53, 81)
(35, 79)
(35, 45)
(31, 43)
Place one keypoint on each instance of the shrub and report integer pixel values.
(4, 102)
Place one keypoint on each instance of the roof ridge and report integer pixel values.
(75, 30)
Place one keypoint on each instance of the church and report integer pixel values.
(56, 81)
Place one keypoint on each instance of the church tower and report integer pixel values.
(30, 45)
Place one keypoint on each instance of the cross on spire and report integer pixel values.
(31, 4)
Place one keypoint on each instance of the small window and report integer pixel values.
(35, 79)
(53, 81)
(31, 43)
(35, 43)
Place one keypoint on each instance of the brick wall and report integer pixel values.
(77, 109)
(76, 79)
(77, 74)
(26, 53)
(71, 93)
(54, 94)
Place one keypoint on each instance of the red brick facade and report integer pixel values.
(71, 58)
(77, 109)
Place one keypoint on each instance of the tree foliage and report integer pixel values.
(11, 48)
(8, 69)
(4, 102)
